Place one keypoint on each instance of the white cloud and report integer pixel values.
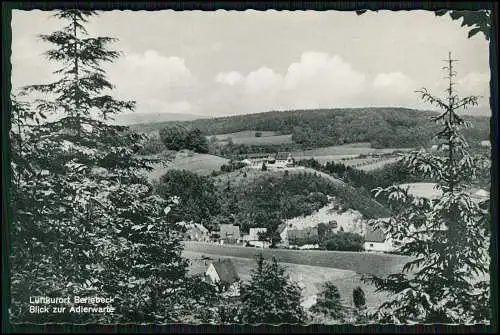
(263, 80)
(150, 75)
(318, 71)
(393, 83)
(229, 78)
(474, 83)
(317, 80)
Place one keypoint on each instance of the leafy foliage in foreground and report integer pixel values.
(446, 280)
(197, 196)
(86, 222)
(479, 20)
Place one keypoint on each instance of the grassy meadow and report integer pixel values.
(309, 278)
(202, 164)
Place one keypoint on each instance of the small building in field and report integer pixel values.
(256, 160)
(284, 159)
(222, 272)
(375, 240)
(278, 160)
(229, 233)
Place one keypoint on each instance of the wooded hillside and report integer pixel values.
(382, 127)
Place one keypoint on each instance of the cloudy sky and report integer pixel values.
(224, 63)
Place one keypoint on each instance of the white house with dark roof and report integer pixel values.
(375, 240)
(284, 159)
(278, 160)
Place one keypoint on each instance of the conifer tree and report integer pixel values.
(85, 218)
(359, 300)
(447, 238)
(270, 297)
(329, 304)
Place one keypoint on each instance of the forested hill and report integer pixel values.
(383, 127)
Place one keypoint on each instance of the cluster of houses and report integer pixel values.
(226, 234)
(306, 238)
(279, 160)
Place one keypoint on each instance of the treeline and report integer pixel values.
(179, 137)
(238, 151)
(382, 127)
(393, 173)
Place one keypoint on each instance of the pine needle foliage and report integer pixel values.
(86, 221)
(447, 238)
(270, 297)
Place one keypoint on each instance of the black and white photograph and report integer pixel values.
(250, 167)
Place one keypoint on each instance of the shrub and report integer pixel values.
(152, 145)
(344, 241)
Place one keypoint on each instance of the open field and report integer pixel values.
(248, 137)
(202, 164)
(423, 190)
(361, 262)
(344, 150)
(268, 140)
(241, 135)
(308, 277)
(378, 164)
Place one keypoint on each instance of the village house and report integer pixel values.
(256, 160)
(214, 236)
(284, 159)
(229, 233)
(223, 272)
(197, 232)
(278, 160)
(375, 240)
(253, 238)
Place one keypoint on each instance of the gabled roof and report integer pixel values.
(374, 235)
(282, 227)
(226, 271)
(282, 155)
(228, 230)
(201, 228)
(258, 155)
